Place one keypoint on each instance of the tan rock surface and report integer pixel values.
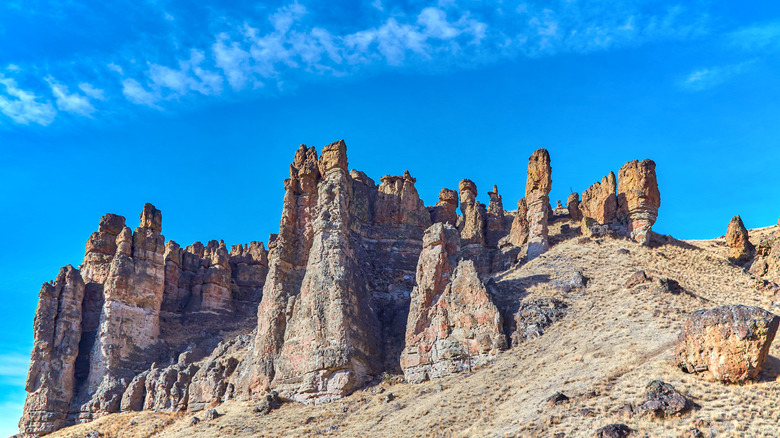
(738, 241)
(473, 222)
(518, 233)
(599, 201)
(399, 202)
(729, 342)
(537, 191)
(446, 210)
(639, 198)
(573, 205)
(496, 227)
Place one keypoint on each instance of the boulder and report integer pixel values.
(639, 198)
(613, 431)
(662, 401)
(533, 317)
(729, 342)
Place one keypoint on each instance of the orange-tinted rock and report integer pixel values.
(599, 201)
(453, 325)
(446, 210)
(472, 224)
(737, 240)
(57, 333)
(518, 234)
(729, 342)
(537, 191)
(639, 198)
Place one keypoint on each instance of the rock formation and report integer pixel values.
(537, 190)
(573, 205)
(729, 342)
(738, 241)
(472, 224)
(57, 330)
(446, 210)
(599, 201)
(398, 202)
(453, 325)
(518, 233)
(639, 198)
(496, 222)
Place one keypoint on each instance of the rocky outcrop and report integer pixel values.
(398, 202)
(639, 198)
(446, 210)
(573, 206)
(57, 332)
(537, 191)
(518, 233)
(453, 325)
(599, 201)
(496, 223)
(729, 342)
(738, 241)
(472, 223)
(130, 319)
(533, 317)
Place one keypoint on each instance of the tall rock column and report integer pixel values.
(518, 233)
(57, 330)
(130, 321)
(331, 342)
(453, 325)
(472, 224)
(639, 198)
(537, 191)
(573, 205)
(496, 226)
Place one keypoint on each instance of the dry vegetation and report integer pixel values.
(602, 354)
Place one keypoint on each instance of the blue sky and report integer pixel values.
(199, 109)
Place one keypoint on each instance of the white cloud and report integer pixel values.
(757, 37)
(709, 77)
(136, 93)
(233, 61)
(72, 103)
(91, 91)
(22, 106)
(13, 368)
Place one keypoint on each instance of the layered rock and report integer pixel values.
(573, 206)
(496, 222)
(738, 241)
(472, 224)
(729, 342)
(453, 325)
(599, 201)
(446, 210)
(318, 334)
(51, 380)
(130, 319)
(639, 198)
(537, 191)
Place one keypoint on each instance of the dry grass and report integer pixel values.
(602, 354)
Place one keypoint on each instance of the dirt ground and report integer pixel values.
(612, 343)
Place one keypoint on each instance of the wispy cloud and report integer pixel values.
(293, 42)
(23, 106)
(13, 369)
(756, 37)
(709, 77)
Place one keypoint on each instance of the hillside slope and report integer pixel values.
(602, 354)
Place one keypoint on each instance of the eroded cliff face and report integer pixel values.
(361, 279)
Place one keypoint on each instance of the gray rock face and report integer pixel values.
(662, 401)
(51, 380)
(533, 317)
